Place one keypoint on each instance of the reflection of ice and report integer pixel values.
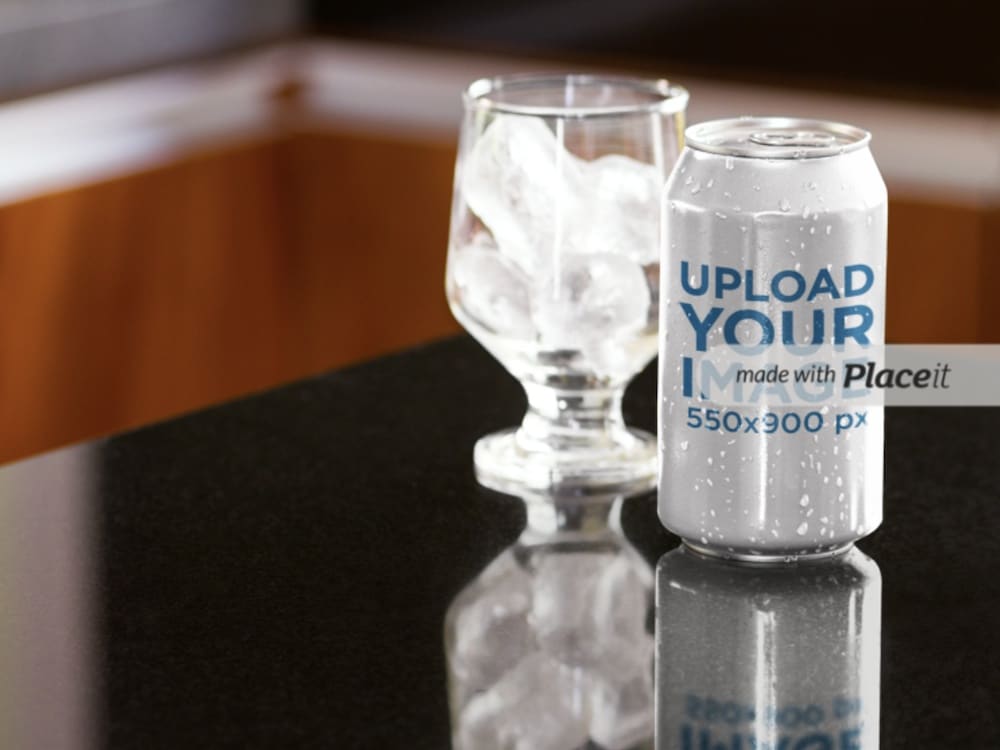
(492, 289)
(563, 607)
(622, 710)
(535, 706)
(548, 648)
(581, 232)
(494, 612)
(585, 606)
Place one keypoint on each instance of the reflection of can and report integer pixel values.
(772, 658)
(775, 236)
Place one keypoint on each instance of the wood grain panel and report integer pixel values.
(368, 217)
(988, 292)
(137, 298)
(936, 256)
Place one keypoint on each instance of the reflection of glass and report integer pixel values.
(767, 658)
(553, 265)
(548, 648)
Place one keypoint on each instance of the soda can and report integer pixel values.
(767, 657)
(774, 236)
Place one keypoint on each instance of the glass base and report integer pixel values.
(623, 461)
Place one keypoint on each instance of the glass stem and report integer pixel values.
(561, 419)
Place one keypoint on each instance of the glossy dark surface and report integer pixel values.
(275, 572)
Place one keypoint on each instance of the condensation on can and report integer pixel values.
(763, 200)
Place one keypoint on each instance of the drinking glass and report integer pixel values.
(553, 266)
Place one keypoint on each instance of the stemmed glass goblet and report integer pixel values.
(553, 265)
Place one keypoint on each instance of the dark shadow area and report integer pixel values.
(891, 46)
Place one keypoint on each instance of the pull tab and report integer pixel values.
(800, 138)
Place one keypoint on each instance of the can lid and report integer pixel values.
(776, 137)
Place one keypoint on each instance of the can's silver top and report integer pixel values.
(776, 137)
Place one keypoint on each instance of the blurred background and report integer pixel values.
(203, 198)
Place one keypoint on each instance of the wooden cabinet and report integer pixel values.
(226, 272)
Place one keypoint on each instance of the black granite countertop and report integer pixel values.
(276, 572)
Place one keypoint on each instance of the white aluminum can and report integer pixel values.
(774, 235)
